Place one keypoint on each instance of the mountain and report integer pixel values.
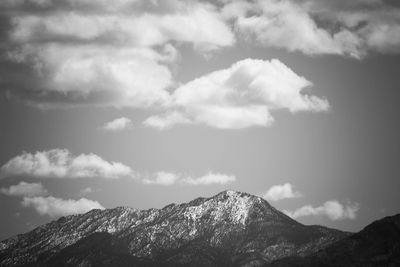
(228, 229)
(378, 244)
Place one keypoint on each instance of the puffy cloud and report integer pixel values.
(318, 27)
(333, 209)
(241, 96)
(80, 52)
(60, 163)
(285, 24)
(279, 192)
(118, 124)
(376, 23)
(168, 178)
(90, 52)
(25, 189)
(55, 207)
(89, 75)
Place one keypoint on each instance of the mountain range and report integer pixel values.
(229, 229)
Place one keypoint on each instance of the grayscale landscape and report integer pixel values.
(199, 133)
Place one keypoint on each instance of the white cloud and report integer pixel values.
(94, 75)
(289, 25)
(118, 124)
(162, 178)
(350, 28)
(210, 178)
(55, 207)
(82, 52)
(241, 96)
(168, 178)
(333, 209)
(60, 163)
(279, 192)
(91, 52)
(25, 189)
(166, 121)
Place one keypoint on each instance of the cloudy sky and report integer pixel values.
(142, 103)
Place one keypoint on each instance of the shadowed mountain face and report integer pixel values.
(229, 229)
(378, 244)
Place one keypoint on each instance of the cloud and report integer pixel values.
(168, 178)
(55, 207)
(25, 189)
(348, 28)
(279, 192)
(210, 178)
(162, 178)
(36, 196)
(60, 163)
(333, 209)
(79, 52)
(241, 96)
(166, 121)
(93, 53)
(118, 124)
(289, 25)
(87, 191)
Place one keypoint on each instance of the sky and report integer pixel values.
(146, 103)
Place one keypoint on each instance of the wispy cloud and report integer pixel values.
(25, 190)
(210, 178)
(168, 178)
(60, 163)
(279, 192)
(162, 178)
(55, 207)
(166, 121)
(118, 124)
(87, 190)
(333, 209)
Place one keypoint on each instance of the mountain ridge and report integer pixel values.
(228, 228)
(377, 244)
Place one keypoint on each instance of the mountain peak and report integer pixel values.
(232, 194)
(236, 195)
(230, 206)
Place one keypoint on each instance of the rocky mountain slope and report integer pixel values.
(228, 229)
(378, 244)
